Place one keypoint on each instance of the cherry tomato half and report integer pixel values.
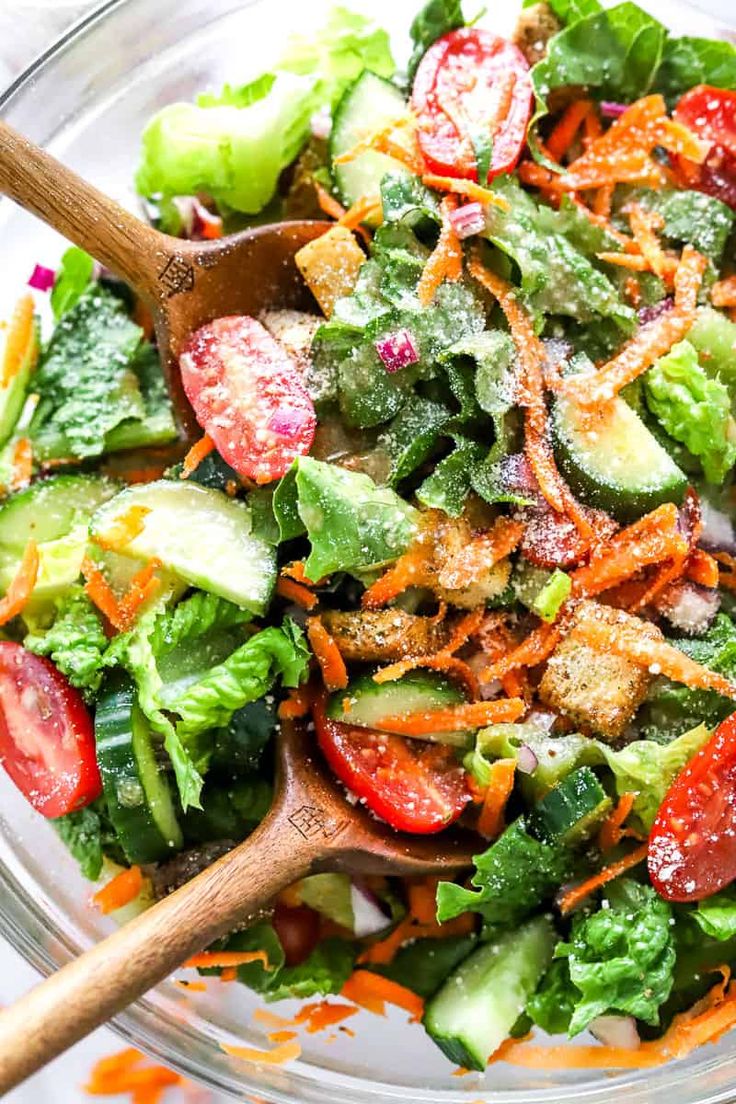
(692, 845)
(298, 931)
(472, 86)
(413, 785)
(47, 741)
(248, 397)
(711, 114)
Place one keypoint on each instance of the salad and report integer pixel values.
(470, 519)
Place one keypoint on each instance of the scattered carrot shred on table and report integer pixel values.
(18, 593)
(120, 891)
(327, 654)
(279, 1056)
(373, 992)
(197, 453)
(281, 1036)
(578, 893)
(128, 1072)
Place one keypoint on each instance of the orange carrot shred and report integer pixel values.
(644, 225)
(532, 651)
(446, 261)
(16, 596)
(578, 893)
(367, 207)
(409, 570)
(422, 896)
(327, 654)
(497, 793)
(702, 568)
(224, 959)
(566, 129)
(323, 1014)
(22, 464)
(328, 203)
(100, 591)
(197, 453)
(21, 340)
(372, 991)
(271, 1019)
(466, 188)
(384, 951)
(454, 718)
(385, 140)
(126, 1072)
(612, 832)
(296, 572)
(632, 261)
(228, 975)
(723, 293)
(297, 704)
(279, 1056)
(120, 891)
(483, 551)
(126, 527)
(296, 592)
(143, 586)
(281, 1036)
(191, 986)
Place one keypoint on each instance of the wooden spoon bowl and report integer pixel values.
(311, 826)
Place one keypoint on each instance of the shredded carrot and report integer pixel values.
(191, 986)
(228, 975)
(21, 340)
(281, 1036)
(422, 896)
(454, 718)
(279, 1056)
(126, 527)
(466, 188)
(446, 261)
(323, 1014)
(202, 448)
(658, 656)
(327, 654)
(644, 225)
(578, 893)
(603, 201)
(21, 587)
(409, 570)
(384, 951)
(373, 992)
(497, 793)
(626, 260)
(702, 568)
(223, 959)
(650, 343)
(296, 572)
(120, 891)
(612, 832)
(143, 586)
(531, 355)
(22, 464)
(126, 1073)
(632, 291)
(296, 592)
(385, 140)
(723, 293)
(367, 207)
(566, 129)
(271, 1019)
(328, 203)
(297, 704)
(100, 592)
(532, 651)
(485, 550)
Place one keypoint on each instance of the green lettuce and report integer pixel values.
(694, 409)
(352, 523)
(622, 957)
(437, 18)
(234, 146)
(716, 915)
(410, 438)
(512, 878)
(449, 484)
(714, 336)
(240, 745)
(687, 62)
(689, 216)
(75, 640)
(553, 1004)
(72, 280)
(89, 837)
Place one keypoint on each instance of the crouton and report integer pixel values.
(330, 265)
(597, 691)
(489, 586)
(382, 636)
(535, 27)
(295, 330)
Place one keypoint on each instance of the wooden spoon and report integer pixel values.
(311, 827)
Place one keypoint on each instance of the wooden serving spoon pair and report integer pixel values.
(311, 826)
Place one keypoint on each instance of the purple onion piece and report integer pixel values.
(689, 607)
(517, 477)
(526, 760)
(288, 422)
(397, 350)
(369, 917)
(468, 220)
(196, 221)
(718, 533)
(611, 109)
(616, 1031)
(649, 314)
(542, 720)
(42, 278)
(321, 123)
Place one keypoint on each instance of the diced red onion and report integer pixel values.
(468, 220)
(198, 223)
(616, 1031)
(718, 533)
(42, 278)
(611, 109)
(526, 760)
(321, 123)
(649, 314)
(517, 477)
(288, 422)
(690, 608)
(397, 350)
(541, 719)
(368, 915)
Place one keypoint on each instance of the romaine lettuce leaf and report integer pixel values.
(689, 216)
(75, 640)
(449, 484)
(689, 61)
(622, 957)
(553, 1004)
(412, 435)
(716, 915)
(72, 280)
(338, 53)
(89, 836)
(437, 18)
(694, 409)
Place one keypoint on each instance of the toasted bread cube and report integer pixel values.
(330, 265)
(380, 636)
(534, 28)
(599, 692)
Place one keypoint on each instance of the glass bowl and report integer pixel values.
(87, 99)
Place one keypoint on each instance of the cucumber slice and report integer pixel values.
(55, 513)
(138, 795)
(367, 105)
(417, 691)
(613, 462)
(481, 1001)
(571, 812)
(200, 535)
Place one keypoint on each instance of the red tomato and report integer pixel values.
(47, 740)
(463, 92)
(248, 396)
(692, 845)
(298, 931)
(711, 114)
(413, 785)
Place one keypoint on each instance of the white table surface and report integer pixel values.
(26, 28)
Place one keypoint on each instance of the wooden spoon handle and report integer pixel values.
(100, 983)
(48, 189)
